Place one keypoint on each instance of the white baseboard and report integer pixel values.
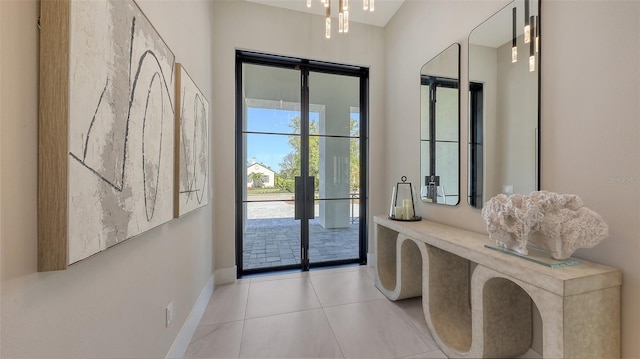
(371, 260)
(181, 343)
(225, 275)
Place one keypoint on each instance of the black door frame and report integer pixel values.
(305, 67)
(476, 141)
(434, 82)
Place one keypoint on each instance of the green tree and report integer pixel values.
(284, 184)
(354, 154)
(290, 165)
(288, 169)
(256, 179)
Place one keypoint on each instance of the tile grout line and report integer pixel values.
(414, 326)
(400, 311)
(241, 339)
(303, 279)
(244, 319)
(333, 332)
(274, 278)
(413, 355)
(315, 292)
(352, 303)
(284, 313)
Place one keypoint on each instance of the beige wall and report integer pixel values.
(483, 70)
(111, 305)
(418, 32)
(590, 106)
(518, 121)
(591, 132)
(282, 32)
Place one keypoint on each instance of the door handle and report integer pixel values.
(302, 203)
(298, 198)
(311, 197)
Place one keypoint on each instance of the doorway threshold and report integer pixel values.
(294, 271)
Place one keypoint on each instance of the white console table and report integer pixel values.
(477, 301)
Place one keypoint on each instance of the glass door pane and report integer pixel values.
(299, 152)
(447, 146)
(271, 151)
(334, 160)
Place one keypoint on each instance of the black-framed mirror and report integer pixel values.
(440, 128)
(504, 103)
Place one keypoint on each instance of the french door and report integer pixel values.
(300, 163)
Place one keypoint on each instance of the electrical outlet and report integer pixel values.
(169, 313)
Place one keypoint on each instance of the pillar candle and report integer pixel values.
(408, 209)
(399, 212)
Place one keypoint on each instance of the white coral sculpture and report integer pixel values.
(567, 225)
(558, 223)
(510, 219)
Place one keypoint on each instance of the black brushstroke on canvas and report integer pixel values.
(198, 105)
(93, 120)
(132, 93)
(191, 177)
(152, 204)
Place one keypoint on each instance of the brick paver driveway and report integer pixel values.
(272, 236)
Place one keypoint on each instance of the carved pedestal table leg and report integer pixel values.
(445, 301)
(399, 265)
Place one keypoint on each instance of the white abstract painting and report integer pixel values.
(121, 127)
(193, 161)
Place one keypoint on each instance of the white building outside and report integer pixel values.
(268, 176)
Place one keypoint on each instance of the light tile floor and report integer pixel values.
(330, 313)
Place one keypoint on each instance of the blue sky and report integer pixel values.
(271, 149)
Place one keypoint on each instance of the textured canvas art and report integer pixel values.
(121, 129)
(192, 161)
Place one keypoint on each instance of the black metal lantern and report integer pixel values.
(403, 200)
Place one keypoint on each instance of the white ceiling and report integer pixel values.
(496, 30)
(384, 9)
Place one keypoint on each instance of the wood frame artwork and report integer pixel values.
(191, 144)
(106, 128)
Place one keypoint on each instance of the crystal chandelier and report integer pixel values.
(343, 14)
